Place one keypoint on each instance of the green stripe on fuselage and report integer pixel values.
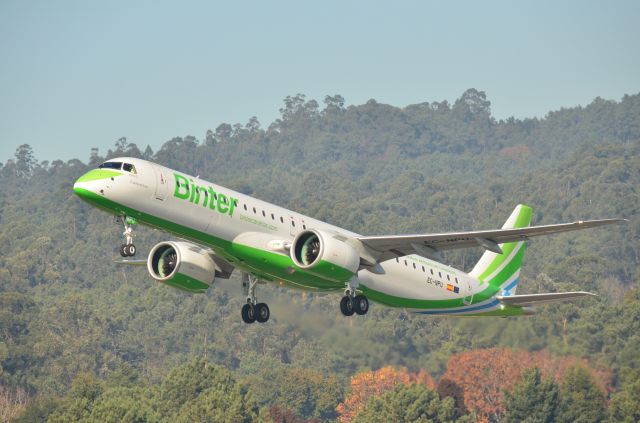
(98, 174)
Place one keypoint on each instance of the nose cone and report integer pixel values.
(91, 183)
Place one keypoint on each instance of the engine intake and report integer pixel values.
(324, 255)
(182, 265)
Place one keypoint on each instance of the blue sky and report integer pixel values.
(80, 74)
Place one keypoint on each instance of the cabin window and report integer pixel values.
(456, 281)
(414, 265)
(431, 271)
(235, 203)
(254, 211)
(281, 219)
(423, 269)
(397, 260)
(273, 217)
(264, 214)
(405, 263)
(440, 274)
(215, 195)
(448, 278)
(110, 165)
(293, 223)
(245, 207)
(304, 226)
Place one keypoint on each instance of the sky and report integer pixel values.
(81, 74)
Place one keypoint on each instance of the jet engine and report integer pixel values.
(182, 265)
(324, 255)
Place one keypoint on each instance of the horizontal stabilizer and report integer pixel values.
(534, 299)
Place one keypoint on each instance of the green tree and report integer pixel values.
(625, 404)
(532, 400)
(581, 400)
(412, 403)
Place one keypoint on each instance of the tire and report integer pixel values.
(360, 304)
(248, 313)
(123, 250)
(346, 306)
(131, 250)
(262, 312)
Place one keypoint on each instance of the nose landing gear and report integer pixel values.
(128, 249)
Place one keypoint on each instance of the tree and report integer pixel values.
(223, 132)
(409, 403)
(625, 404)
(532, 400)
(581, 399)
(25, 161)
(368, 384)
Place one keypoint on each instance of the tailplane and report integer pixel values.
(503, 270)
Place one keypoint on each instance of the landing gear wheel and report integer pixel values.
(123, 250)
(360, 304)
(346, 306)
(248, 313)
(262, 312)
(131, 250)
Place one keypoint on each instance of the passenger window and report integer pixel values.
(273, 217)
(440, 274)
(264, 214)
(254, 211)
(414, 265)
(397, 260)
(456, 281)
(281, 219)
(245, 207)
(293, 223)
(405, 263)
(423, 269)
(235, 203)
(448, 278)
(304, 226)
(431, 271)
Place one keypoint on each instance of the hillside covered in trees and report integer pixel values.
(83, 340)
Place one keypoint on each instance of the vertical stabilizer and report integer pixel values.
(503, 270)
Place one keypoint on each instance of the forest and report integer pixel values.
(85, 340)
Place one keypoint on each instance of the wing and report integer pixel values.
(431, 244)
(534, 299)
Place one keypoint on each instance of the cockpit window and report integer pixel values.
(111, 165)
(128, 167)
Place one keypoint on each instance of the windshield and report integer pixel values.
(110, 165)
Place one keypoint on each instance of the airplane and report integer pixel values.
(221, 230)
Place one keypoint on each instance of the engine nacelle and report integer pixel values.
(320, 253)
(182, 265)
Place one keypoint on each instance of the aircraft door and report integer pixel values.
(161, 183)
(468, 294)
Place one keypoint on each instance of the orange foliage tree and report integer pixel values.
(483, 375)
(365, 385)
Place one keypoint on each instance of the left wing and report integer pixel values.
(533, 299)
(431, 244)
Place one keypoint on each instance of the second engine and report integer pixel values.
(182, 265)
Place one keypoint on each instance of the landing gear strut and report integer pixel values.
(352, 303)
(253, 311)
(128, 249)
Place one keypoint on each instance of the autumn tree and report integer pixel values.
(368, 384)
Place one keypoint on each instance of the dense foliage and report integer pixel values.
(86, 340)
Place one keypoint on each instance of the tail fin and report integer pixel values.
(503, 270)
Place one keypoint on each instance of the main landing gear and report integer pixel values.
(253, 311)
(127, 249)
(350, 304)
